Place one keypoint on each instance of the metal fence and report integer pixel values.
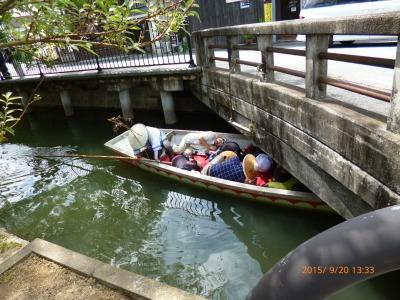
(175, 50)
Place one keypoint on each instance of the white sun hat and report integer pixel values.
(138, 136)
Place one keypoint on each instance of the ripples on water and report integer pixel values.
(90, 208)
(23, 174)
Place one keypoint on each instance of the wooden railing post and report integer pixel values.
(315, 67)
(198, 45)
(263, 42)
(393, 122)
(233, 54)
(209, 52)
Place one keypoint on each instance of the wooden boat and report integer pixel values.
(120, 145)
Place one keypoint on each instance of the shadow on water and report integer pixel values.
(206, 243)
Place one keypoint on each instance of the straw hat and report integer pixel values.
(227, 154)
(250, 166)
(138, 136)
(264, 162)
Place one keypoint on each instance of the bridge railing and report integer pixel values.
(174, 50)
(318, 34)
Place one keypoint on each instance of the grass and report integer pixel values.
(5, 246)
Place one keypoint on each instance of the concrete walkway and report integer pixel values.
(131, 284)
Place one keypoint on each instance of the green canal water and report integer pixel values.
(203, 242)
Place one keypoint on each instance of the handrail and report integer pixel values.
(287, 51)
(359, 89)
(287, 71)
(389, 24)
(248, 63)
(219, 58)
(357, 59)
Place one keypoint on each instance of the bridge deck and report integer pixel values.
(164, 70)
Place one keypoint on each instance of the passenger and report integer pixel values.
(188, 153)
(192, 164)
(219, 158)
(266, 168)
(282, 179)
(230, 169)
(229, 146)
(203, 141)
(149, 140)
(251, 149)
(182, 162)
(258, 170)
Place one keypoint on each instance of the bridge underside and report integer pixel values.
(346, 158)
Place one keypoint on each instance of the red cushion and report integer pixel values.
(263, 178)
(201, 159)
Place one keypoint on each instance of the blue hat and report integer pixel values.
(264, 162)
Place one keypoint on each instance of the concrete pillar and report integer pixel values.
(168, 107)
(393, 121)
(264, 41)
(66, 103)
(315, 67)
(169, 85)
(233, 54)
(172, 84)
(126, 104)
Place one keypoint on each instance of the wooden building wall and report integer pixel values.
(218, 13)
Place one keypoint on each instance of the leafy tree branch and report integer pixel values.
(34, 26)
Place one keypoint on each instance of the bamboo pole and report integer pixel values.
(89, 156)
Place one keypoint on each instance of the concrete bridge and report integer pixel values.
(348, 158)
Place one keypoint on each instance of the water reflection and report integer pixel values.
(23, 174)
(205, 243)
(197, 241)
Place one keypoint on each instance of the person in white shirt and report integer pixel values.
(145, 138)
(200, 141)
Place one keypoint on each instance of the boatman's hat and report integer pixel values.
(138, 136)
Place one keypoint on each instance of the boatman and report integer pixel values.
(201, 141)
(150, 140)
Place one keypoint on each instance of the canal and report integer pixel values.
(205, 243)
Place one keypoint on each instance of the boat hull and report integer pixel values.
(279, 197)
